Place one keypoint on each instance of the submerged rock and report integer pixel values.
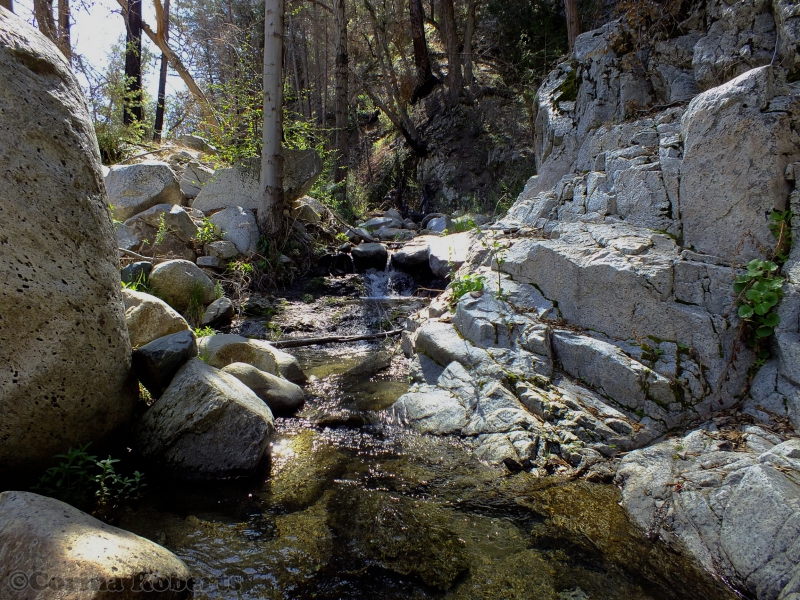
(66, 376)
(207, 424)
(51, 549)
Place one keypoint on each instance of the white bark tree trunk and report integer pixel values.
(271, 218)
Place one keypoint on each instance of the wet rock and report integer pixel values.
(223, 349)
(207, 424)
(736, 512)
(137, 272)
(182, 283)
(66, 377)
(375, 362)
(194, 178)
(413, 254)
(149, 318)
(238, 226)
(282, 396)
(157, 362)
(47, 541)
(221, 311)
(133, 189)
(369, 256)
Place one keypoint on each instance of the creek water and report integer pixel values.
(352, 507)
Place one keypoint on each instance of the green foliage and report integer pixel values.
(219, 292)
(759, 292)
(162, 230)
(117, 141)
(308, 298)
(532, 35)
(204, 331)
(194, 312)
(460, 226)
(464, 285)
(140, 285)
(80, 479)
(569, 88)
(207, 233)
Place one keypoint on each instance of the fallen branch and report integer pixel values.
(334, 339)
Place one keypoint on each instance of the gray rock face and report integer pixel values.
(207, 424)
(413, 254)
(211, 262)
(165, 230)
(174, 218)
(149, 318)
(239, 227)
(135, 188)
(62, 315)
(738, 513)
(157, 362)
(239, 185)
(180, 282)
(195, 142)
(48, 540)
(223, 349)
(735, 154)
(194, 178)
(370, 256)
(220, 311)
(283, 397)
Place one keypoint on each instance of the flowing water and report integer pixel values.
(350, 507)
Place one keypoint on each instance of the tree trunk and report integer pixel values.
(64, 42)
(573, 21)
(163, 24)
(177, 64)
(454, 80)
(132, 109)
(8, 5)
(271, 219)
(43, 11)
(469, 31)
(425, 78)
(342, 60)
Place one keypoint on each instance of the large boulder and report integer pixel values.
(736, 149)
(52, 550)
(239, 185)
(447, 254)
(149, 318)
(239, 227)
(135, 188)
(66, 376)
(282, 396)
(207, 424)
(164, 230)
(223, 349)
(182, 283)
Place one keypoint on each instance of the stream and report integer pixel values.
(350, 506)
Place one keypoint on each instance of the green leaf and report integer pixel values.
(745, 311)
(763, 332)
(771, 298)
(753, 294)
(771, 320)
(739, 287)
(770, 266)
(762, 309)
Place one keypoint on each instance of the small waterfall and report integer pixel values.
(388, 284)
